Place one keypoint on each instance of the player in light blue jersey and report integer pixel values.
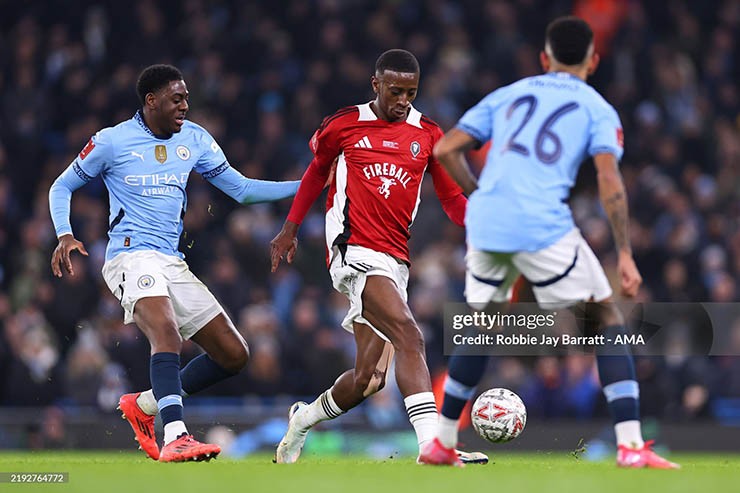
(518, 221)
(145, 163)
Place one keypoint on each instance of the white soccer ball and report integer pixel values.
(498, 415)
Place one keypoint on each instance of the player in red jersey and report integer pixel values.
(382, 150)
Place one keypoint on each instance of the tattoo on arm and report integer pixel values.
(617, 211)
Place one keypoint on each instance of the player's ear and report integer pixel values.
(593, 64)
(375, 83)
(150, 99)
(544, 61)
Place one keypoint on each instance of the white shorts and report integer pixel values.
(144, 274)
(563, 274)
(349, 274)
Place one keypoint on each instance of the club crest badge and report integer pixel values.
(145, 282)
(183, 153)
(415, 148)
(160, 152)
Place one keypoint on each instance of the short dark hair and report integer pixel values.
(154, 78)
(397, 61)
(569, 38)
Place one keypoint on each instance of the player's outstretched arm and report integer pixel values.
(614, 200)
(250, 191)
(450, 152)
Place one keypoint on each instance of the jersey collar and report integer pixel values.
(564, 75)
(367, 115)
(140, 120)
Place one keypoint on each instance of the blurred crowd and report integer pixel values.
(262, 75)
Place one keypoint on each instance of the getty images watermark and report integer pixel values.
(526, 329)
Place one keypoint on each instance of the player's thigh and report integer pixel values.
(350, 271)
(384, 306)
(155, 317)
(489, 277)
(134, 276)
(374, 356)
(373, 352)
(194, 304)
(564, 273)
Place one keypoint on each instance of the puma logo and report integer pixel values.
(136, 154)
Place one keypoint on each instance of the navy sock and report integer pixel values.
(164, 373)
(201, 373)
(617, 375)
(464, 374)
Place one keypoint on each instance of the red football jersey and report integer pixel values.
(375, 194)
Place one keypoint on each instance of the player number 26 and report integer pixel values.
(547, 154)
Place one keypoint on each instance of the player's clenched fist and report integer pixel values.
(60, 257)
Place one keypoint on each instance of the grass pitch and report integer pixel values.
(546, 471)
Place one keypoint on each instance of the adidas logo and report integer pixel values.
(364, 142)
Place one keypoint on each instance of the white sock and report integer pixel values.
(423, 415)
(147, 402)
(173, 430)
(321, 409)
(447, 431)
(629, 434)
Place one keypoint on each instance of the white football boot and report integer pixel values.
(472, 457)
(290, 447)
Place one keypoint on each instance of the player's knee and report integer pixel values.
(362, 380)
(405, 335)
(609, 315)
(165, 339)
(377, 382)
(408, 338)
(237, 358)
(369, 382)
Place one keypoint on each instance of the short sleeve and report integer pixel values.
(607, 136)
(325, 143)
(95, 156)
(478, 120)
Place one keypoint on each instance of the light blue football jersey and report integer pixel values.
(542, 128)
(146, 178)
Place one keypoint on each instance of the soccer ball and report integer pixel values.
(498, 415)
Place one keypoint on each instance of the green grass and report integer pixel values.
(545, 471)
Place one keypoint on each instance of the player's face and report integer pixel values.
(395, 92)
(170, 105)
